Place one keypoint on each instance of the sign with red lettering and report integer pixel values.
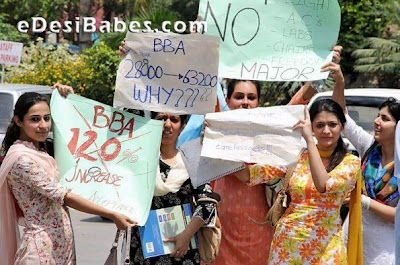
(10, 52)
(106, 155)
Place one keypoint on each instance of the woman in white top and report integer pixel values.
(380, 194)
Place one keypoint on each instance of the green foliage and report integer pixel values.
(361, 19)
(280, 93)
(9, 33)
(103, 62)
(23, 10)
(186, 8)
(156, 13)
(91, 74)
(380, 59)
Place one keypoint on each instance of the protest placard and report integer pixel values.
(287, 40)
(10, 52)
(260, 135)
(105, 155)
(201, 169)
(168, 73)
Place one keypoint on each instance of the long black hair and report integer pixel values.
(393, 107)
(333, 107)
(24, 103)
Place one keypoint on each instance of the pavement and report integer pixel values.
(93, 238)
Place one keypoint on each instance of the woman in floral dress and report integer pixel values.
(173, 187)
(310, 231)
(29, 188)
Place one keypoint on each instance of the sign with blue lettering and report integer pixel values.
(168, 73)
(284, 40)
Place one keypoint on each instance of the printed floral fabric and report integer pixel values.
(48, 234)
(205, 211)
(310, 230)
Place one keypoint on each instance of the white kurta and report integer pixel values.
(378, 235)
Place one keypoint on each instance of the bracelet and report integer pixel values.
(365, 202)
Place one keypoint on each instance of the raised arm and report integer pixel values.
(306, 92)
(338, 91)
(64, 90)
(319, 174)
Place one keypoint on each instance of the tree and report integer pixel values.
(380, 58)
(360, 20)
(23, 10)
(156, 13)
(9, 33)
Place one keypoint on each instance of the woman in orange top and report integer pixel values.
(243, 241)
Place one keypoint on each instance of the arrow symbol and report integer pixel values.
(178, 75)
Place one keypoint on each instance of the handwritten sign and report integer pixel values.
(286, 40)
(105, 155)
(169, 73)
(10, 52)
(202, 169)
(261, 135)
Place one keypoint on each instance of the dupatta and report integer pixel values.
(355, 234)
(379, 185)
(9, 232)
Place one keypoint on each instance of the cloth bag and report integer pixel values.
(113, 257)
(209, 238)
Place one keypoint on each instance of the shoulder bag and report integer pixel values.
(113, 257)
(282, 200)
(209, 238)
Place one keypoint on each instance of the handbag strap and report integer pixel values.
(127, 259)
(115, 243)
(289, 172)
(208, 200)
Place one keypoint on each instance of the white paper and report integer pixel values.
(203, 169)
(260, 135)
(169, 73)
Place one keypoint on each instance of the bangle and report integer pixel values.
(365, 202)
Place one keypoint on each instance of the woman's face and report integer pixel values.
(384, 127)
(36, 123)
(172, 127)
(327, 129)
(244, 96)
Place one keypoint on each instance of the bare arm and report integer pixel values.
(338, 91)
(386, 212)
(122, 50)
(306, 92)
(78, 203)
(318, 171)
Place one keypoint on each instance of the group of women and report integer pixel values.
(309, 232)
